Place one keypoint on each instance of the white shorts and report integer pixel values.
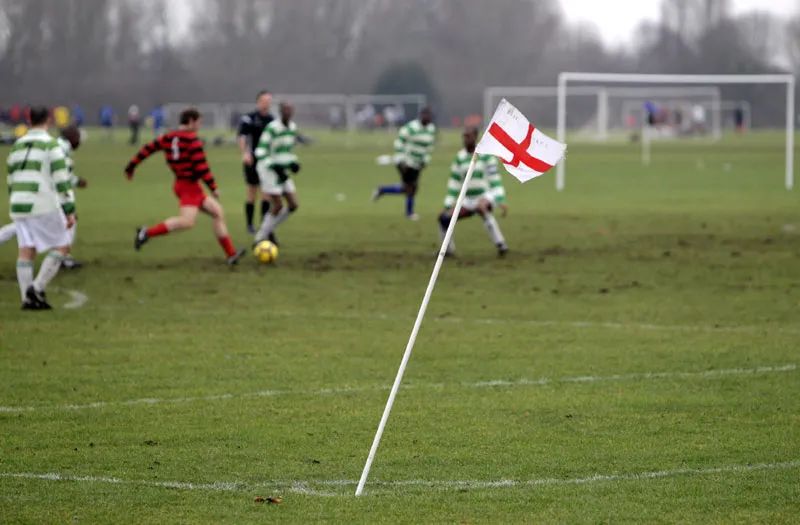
(270, 184)
(43, 232)
(471, 203)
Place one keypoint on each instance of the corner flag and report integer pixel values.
(525, 151)
(531, 153)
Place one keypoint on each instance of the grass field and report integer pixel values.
(634, 358)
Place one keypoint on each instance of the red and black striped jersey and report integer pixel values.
(184, 154)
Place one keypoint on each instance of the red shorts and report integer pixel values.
(189, 193)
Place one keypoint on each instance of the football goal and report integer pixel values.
(568, 80)
(595, 113)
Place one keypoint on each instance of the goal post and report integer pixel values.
(565, 78)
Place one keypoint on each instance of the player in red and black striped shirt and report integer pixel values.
(185, 156)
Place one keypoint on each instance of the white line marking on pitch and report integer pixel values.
(77, 299)
(306, 487)
(499, 383)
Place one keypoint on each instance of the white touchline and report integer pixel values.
(499, 383)
(318, 487)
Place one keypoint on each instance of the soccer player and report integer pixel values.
(251, 127)
(485, 191)
(185, 156)
(412, 152)
(69, 141)
(42, 207)
(275, 159)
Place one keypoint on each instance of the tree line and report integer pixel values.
(94, 52)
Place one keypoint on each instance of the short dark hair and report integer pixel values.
(189, 115)
(263, 92)
(39, 115)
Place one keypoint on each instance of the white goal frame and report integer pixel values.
(492, 94)
(564, 78)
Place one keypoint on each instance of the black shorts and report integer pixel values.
(251, 175)
(408, 175)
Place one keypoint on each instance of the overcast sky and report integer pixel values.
(616, 19)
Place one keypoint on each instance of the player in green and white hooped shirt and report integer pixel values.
(484, 192)
(69, 140)
(275, 158)
(412, 152)
(42, 206)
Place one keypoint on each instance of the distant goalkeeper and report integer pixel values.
(412, 152)
(484, 192)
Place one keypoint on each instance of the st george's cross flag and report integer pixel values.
(525, 151)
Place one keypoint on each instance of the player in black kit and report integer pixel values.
(250, 128)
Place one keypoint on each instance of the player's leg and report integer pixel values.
(444, 222)
(291, 204)
(390, 189)
(40, 234)
(251, 180)
(47, 271)
(183, 221)
(492, 227)
(7, 232)
(212, 207)
(69, 263)
(273, 218)
(25, 258)
(272, 190)
(410, 185)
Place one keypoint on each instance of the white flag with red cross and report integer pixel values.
(525, 151)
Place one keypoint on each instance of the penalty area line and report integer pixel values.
(496, 383)
(322, 488)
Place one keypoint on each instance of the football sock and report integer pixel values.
(409, 205)
(493, 229)
(7, 232)
(391, 189)
(249, 210)
(158, 229)
(282, 216)
(227, 245)
(24, 276)
(264, 208)
(267, 225)
(48, 270)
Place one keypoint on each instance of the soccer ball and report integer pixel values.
(266, 252)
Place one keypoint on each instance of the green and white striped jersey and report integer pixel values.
(276, 144)
(485, 181)
(38, 178)
(414, 144)
(67, 148)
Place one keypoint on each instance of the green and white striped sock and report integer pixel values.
(48, 270)
(24, 276)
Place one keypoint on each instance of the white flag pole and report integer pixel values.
(420, 315)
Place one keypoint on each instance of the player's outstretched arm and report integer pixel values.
(146, 150)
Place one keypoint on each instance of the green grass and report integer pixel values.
(273, 378)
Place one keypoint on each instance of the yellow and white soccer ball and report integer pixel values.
(266, 252)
